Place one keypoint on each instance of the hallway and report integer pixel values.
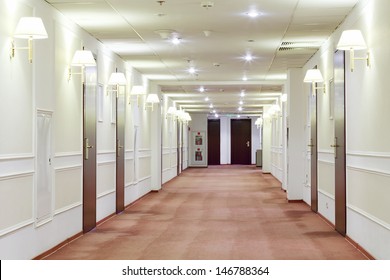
(221, 212)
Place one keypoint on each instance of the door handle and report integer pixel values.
(248, 144)
(86, 148)
(118, 147)
(311, 145)
(335, 146)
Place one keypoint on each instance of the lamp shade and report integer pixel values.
(137, 90)
(171, 110)
(117, 79)
(30, 28)
(152, 98)
(83, 58)
(351, 39)
(313, 76)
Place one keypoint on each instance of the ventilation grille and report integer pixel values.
(291, 46)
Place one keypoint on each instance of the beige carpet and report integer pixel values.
(222, 212)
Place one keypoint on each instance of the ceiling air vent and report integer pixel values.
(290, 46)
(207, 4)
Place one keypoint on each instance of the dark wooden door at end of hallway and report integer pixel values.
(241, 148)
(214, 142)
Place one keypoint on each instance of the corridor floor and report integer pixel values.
(215, 213)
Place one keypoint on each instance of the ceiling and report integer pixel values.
(214, 36)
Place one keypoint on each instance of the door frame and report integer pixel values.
(314, 148)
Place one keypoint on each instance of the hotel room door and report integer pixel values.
(241, 134)
(89, 149)
(313, 150)
(120, 151)
(214, 142)
(339, 143)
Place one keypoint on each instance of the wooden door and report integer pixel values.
(313, 150)
(214, 142)
(339, 143)
(120, 151)
(89, 149)
(241, 141)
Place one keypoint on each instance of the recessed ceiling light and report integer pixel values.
(175, 40)
(192, 70)
(211, 106)
(245, 78)
(216, 115)
(240, 102)
(201, 89)
(206, 99)
(242, 94)
(248, 57)
(240, 109)
(253, 13)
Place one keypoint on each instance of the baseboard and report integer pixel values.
(59, 246)
(326, 220)
(360, 248)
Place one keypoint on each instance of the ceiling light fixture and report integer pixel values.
(206, 99)
(192, 70)
(253, 13)
(201, 89)
(352, 40)
(242, 94)
(248, 57)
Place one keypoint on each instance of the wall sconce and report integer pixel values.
(81, 58)
(137, 91)
(352, 40)
(171, 112)
(314, 76)
(28, 28)
(186, 118)
(151, 99)
(259, 122)
(116, 80)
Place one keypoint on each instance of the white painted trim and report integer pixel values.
(105, 152)
(67, 154)
(326, 194)
(369, 171)
(144, 179)
(67, 208)
(17, 156)
(368, 154)
(16, 175)
(106, 193)
(369, 216)
(16, 227)
(327, 162)
(67, 168)
(108, 162)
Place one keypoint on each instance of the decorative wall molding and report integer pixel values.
(17, 175)
(106, 193)
(67, 208)
(16, 227)
(326, 193)
(16, 156)
(369, 171)
(368, 216)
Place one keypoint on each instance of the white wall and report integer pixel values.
(367, 115)
(296, 135)
(44, 85)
